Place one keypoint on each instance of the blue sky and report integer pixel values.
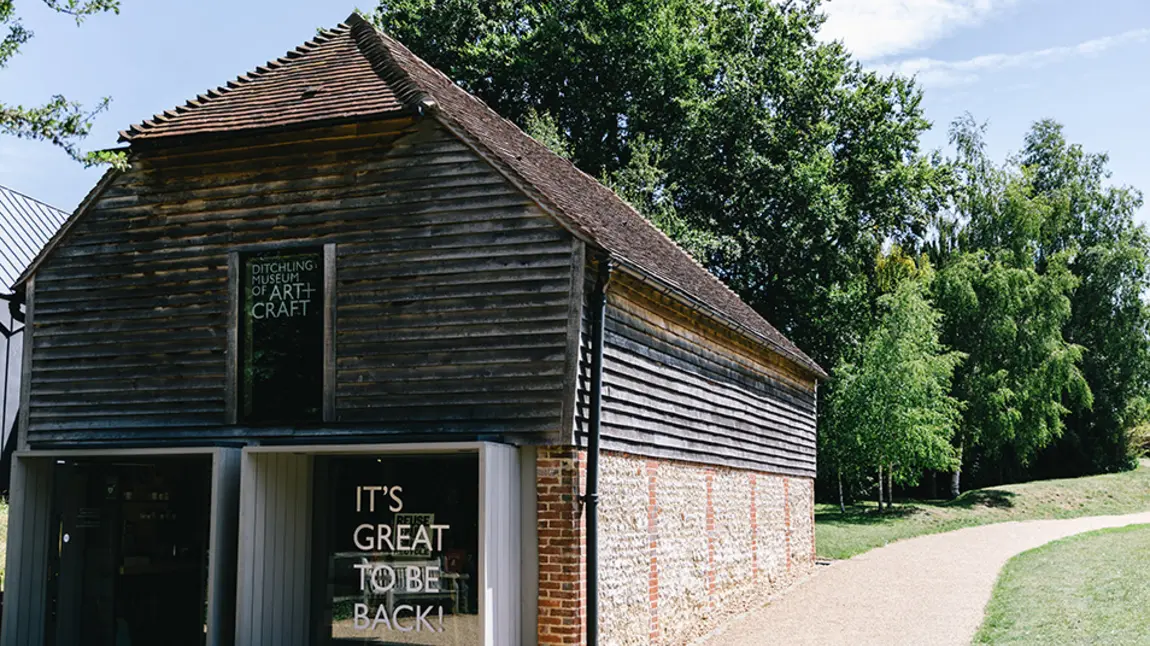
(1009, 62)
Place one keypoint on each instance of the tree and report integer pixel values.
(1111, 258)
(61, 122)
(808, 163)
(769, 154)
(1005, 305)
(603, 72)
(891, 407)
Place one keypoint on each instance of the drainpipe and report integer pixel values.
(591, 497)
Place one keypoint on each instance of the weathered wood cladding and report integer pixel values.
(676, 385)
(452, 287)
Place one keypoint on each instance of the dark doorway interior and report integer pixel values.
(128, 564)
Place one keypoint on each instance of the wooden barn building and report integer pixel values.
(344, 357)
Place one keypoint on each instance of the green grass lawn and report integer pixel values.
(1086, 589)
(842, 536)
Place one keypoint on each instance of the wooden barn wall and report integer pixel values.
(676, 387)
(452, 298)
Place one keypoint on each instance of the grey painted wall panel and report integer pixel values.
(275, 521)
(499, 544)
(30, 505)
(224, 526)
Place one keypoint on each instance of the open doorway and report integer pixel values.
(128, 562)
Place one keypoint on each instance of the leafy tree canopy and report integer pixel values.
(1110, 256)
(892, 405)
(769, 154)
(61, 122)
(1006, 298)
(785, 167)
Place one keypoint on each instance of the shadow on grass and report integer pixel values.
(859, 515)
(867, 515)
(992, 498)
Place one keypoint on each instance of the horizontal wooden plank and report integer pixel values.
(626, 414)
(632, 372)
(494, 316)
(539, 354)
(437, 190)
(120, 422)
(697, 415)
(441, 413)
(451, 170)
(182, 408)
(66, 400)
(407, 384)
(115, 329)
(128, 376)
(207, 334)
(640, 448)
(671, 391)
(370, 376)
(697, 443)
(47, 366)
(456, 334)
(453, 219)
(442, 306)
(201, 434)
(681, 360)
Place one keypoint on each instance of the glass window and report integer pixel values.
(281, 337)
(399, 537)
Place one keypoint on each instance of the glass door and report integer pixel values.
(128, 564)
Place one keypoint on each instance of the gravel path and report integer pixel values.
(921, 591)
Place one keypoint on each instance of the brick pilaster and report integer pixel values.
(653, 544)
(787, 517)
(560, 472)
(754, 530)
(710, 538)
(814, 552)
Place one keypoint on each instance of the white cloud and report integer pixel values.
(874, 29)
(935, 73)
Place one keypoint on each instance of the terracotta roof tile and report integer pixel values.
(326, 78)
(356, 71)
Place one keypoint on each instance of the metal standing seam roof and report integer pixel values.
(26, 225)
(356, 72)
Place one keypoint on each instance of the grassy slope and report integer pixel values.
(861, 529)
(1086, 589)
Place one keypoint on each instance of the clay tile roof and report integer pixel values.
(325, 78)
(25, 226)
(356, 71)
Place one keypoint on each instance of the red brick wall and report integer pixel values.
(560, 473)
